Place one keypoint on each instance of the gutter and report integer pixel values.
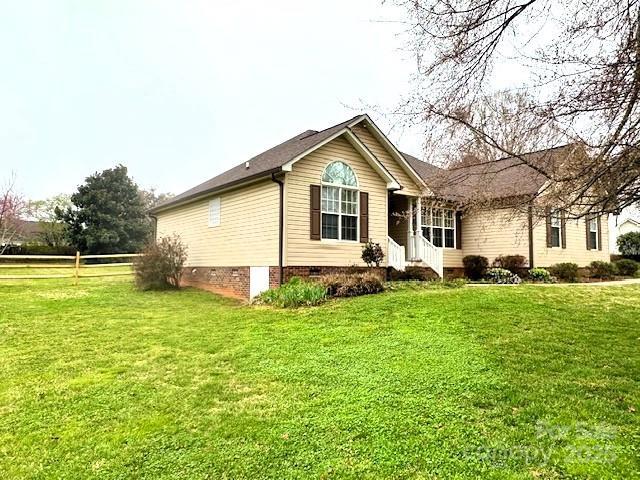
(172, 203)
(280, 226)
(530, 222)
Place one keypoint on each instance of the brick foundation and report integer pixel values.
(227, 281)
(453, 272)
(235, 281)
(315, 272)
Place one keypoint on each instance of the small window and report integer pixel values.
(214, 212)
(556, 229)
(593, 233)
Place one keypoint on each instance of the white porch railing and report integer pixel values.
(395, 255)
(422, 249)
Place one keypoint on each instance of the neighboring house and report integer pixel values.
(306, 206)
(29, 232)
(627, 221)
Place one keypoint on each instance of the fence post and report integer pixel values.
(77, 267)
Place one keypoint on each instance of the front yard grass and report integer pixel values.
(103, 381)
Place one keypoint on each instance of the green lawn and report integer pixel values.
(528, 382)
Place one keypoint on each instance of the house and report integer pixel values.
(305, 208)
(27, 231)
(627, 221)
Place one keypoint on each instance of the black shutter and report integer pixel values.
(364, 217)
(599, 234)
(315, 212)
(586, 222)
(547, 213)
(563, 228)
(459, 230)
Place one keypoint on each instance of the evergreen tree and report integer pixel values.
(108, 214)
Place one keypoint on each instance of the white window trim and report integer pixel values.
(594, 221)
(340, 187)
(430, 226)
(214, 205)
(556, 222)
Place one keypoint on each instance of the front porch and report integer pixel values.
(407, 245)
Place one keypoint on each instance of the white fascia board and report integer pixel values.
(390, 148)
(360, 148)
(287, 166)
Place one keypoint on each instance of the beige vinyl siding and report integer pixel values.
(452, 257)
(494, 232)
(247, 234)
(300, 250)
(409, 186)
(576, 250)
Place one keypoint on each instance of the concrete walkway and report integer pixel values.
(613, 283)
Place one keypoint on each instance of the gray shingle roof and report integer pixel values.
(504, 178)
(264, 164)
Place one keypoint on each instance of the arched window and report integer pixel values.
(339, 202)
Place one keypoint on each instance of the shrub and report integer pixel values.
(599, 269)
(627, 267)
(629, 245)
(475, 266)
(540, 275)
(566, 271)
(342, 285)
(39, 249)
(502, 276)
(161, 264)
(513, 263)
(372, 254)
(294, 293)
(410, 273)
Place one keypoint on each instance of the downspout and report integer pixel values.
(280, 226)
(530, 221)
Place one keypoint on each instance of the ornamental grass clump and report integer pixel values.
(295, 293)
(354, 285)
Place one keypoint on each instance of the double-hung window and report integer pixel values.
(339, 202)
(593, 233)
(439, 226)
(556, 228)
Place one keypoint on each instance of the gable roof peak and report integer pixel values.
(264, 164)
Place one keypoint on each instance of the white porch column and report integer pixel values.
(419, 216)
(410, 238)
(410, 216)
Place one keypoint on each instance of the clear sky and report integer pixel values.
(179, 91)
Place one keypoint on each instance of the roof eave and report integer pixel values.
(391, 149)
(206, 193)
(361, 148)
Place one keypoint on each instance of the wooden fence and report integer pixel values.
(76, 264)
